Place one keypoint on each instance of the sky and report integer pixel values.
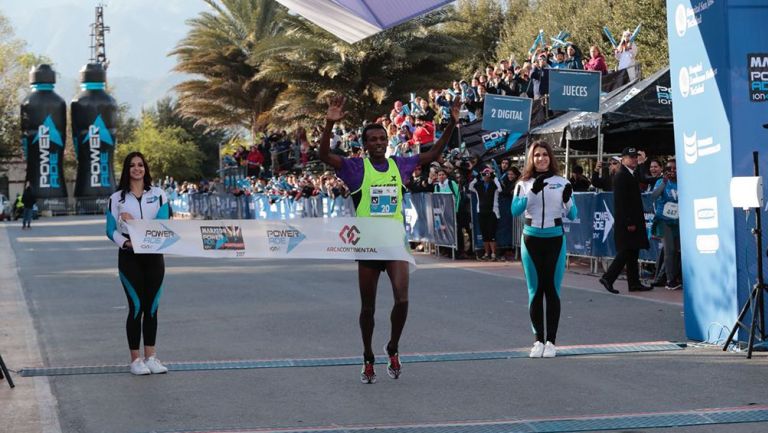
(142, 32)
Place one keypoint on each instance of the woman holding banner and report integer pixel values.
(545, 198)
(375, 180)
(141, 274)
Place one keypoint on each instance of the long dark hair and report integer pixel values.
(125, 175)
(530, 169)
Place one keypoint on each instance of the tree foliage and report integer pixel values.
(15, 63)
(169, 151)
(207, 140)
(219, 50)
(476, 24)
(371, 73)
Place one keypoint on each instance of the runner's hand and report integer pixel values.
(336, 109)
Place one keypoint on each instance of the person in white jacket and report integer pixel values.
(626, 53)
(544, 197)
(141, 274)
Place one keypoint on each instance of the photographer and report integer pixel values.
(486, 187)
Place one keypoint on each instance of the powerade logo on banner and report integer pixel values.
(158, 240)
(602, 224)
(499, 138)
(288, 238)
(49, 162)
(664, 95)
(99, 160)
(758, 77)
(222, 238)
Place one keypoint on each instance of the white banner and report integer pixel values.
(306, 238)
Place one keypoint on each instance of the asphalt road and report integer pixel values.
(214, 310)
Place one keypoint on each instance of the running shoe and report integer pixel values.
(368, 374)
(537, 350)
(550, 351)
(138, 368)
(674, 285)
(155, 366)
(393, 364)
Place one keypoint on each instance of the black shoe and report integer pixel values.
(640, 287)
(608, 286)
(659, 283)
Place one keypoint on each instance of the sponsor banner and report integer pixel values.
(309, 238)
(757, 70)
(574, 90)
(508, 113)
(444, 219)
(702, 73)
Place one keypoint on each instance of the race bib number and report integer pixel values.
(383, 200)
(670, 210)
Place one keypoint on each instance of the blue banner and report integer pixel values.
(574, 90)
(444, 220)
(578, 232)
(506, 113)
(702, 92)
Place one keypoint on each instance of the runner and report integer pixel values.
(377, 185)
(141, 274)
(545, 197)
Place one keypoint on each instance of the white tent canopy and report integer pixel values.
(354, 20)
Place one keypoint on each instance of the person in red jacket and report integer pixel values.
(596, 61)
(424, 134)
(255, 161)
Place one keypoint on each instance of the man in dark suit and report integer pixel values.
(629, 224)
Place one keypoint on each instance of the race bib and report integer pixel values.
(670, 210)
(383, 200)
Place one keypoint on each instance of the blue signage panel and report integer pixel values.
(507, 113)
(699, 71)
(574, 90)
(748, 59)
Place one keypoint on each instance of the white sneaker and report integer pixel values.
(537, 350)
(550, 351)
(139, 368)
(155, 366)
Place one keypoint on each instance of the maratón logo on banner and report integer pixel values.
(222, 238)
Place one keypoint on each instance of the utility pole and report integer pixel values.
(98, 43)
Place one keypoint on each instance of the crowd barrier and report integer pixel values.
(428, 217)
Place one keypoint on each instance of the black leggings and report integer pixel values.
(544, 267)
(142, 278)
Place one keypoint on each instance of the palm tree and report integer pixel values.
(222, 48)
(313, 64)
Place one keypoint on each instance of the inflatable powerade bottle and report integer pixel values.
(43, 126)
(94, 116)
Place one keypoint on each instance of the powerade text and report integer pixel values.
(99, 160)
(49, 162)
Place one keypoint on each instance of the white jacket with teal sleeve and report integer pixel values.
(153, 204)
(545, 210)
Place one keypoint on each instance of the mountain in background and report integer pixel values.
(142, 33)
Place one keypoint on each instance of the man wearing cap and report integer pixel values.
(629, 225)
